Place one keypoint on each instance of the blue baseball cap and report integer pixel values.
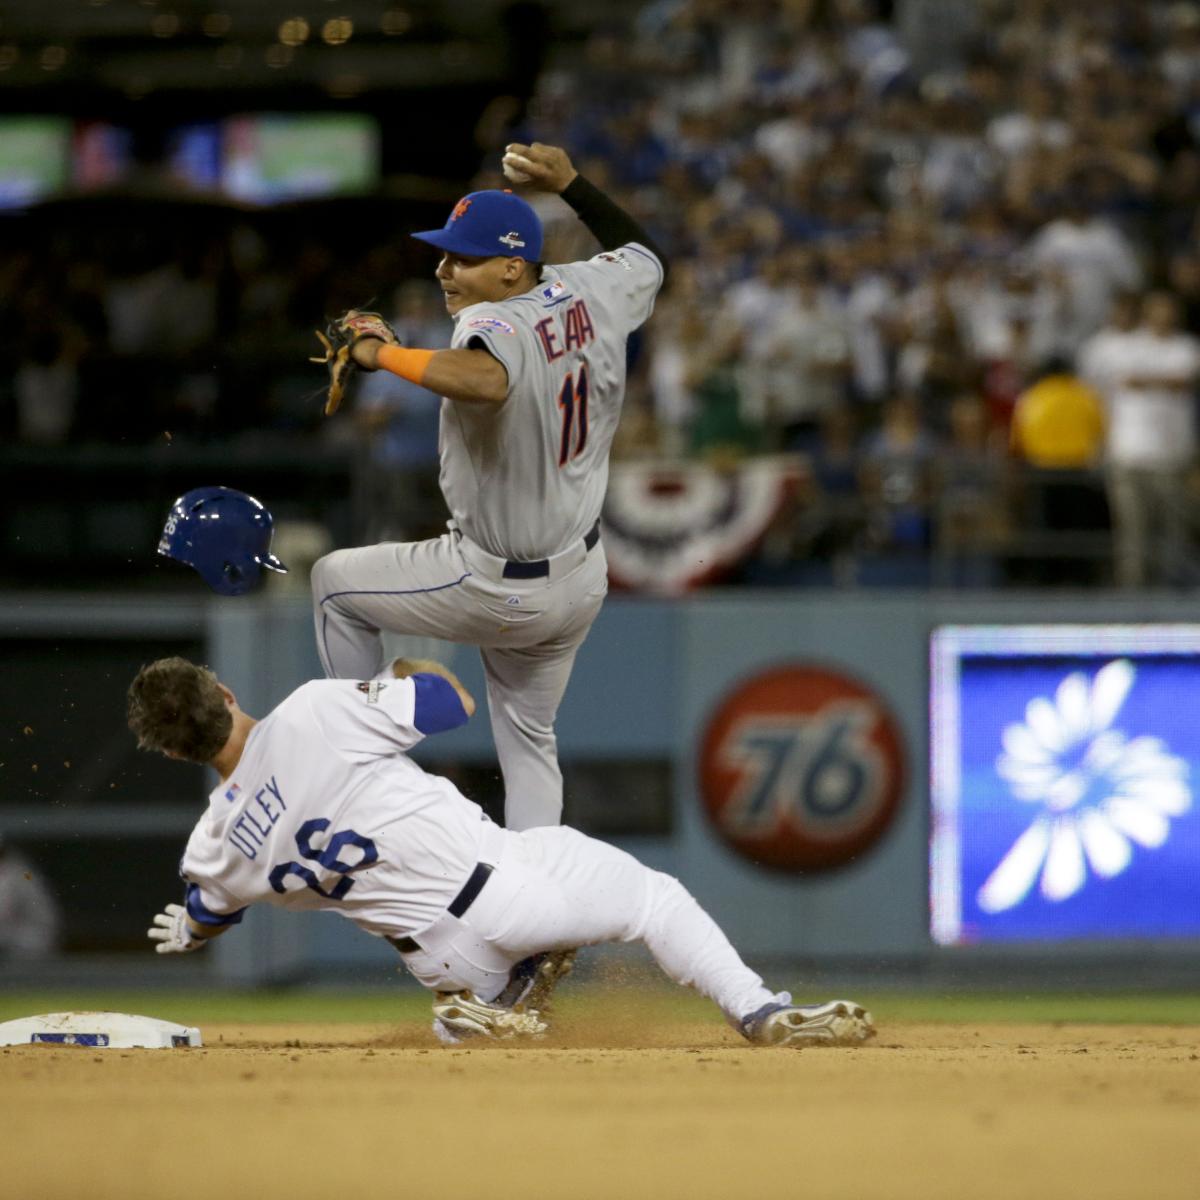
(487, 224)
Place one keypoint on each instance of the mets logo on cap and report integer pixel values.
(801, 768)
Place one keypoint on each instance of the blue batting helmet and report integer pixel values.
(224, 534)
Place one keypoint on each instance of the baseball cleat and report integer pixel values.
(458, 1016)
(557, 966)
(837, 1023)
(534, 979)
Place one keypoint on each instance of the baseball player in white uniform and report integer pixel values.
(532, 387)
(320, 807)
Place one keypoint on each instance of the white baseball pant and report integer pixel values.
(527, 631)
(556, 889)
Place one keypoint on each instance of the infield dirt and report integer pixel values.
(607, 1110)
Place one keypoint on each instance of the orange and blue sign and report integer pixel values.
(802, 768)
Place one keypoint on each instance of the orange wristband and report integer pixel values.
(408, 364)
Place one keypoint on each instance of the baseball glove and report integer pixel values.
(339, 339)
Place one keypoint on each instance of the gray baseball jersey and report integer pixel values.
(525, 480)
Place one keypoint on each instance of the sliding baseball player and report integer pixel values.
(320, 807)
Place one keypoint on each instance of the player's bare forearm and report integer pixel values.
(402, 668)
(467, 376)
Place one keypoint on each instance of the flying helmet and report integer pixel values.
(224, 534)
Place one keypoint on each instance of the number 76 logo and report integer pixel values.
(801, 769)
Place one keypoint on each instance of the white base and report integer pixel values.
(106, 1030)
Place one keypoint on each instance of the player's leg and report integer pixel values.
(404, 587)
(579, 891)
(524, 687)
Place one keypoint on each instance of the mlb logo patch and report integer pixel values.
(555, 289)
(233, 793)
(371, 689)
(492, 323)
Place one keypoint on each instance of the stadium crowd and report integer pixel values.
(943, 253)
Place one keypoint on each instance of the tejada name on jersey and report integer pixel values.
(575, 332)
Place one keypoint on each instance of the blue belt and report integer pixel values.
(541, 566)
(456, 907)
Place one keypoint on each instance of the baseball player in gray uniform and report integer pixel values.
(320, 807)
(532, 387)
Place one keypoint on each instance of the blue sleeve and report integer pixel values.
(437, 706)
(202, 915)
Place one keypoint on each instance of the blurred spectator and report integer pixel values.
(971, 483)
(1058, 423)
(30, 923)
(933, 363)
(1058, 433)
(676, 326)
(1035, 121)
(718, 429)
(46, 388)
(1152, 445)
(1184, 275)
(797, 366)
(1095, 259)
(861, 198)
(896, 477)
(829, 519)
(1015, 319)
(1101, 355)
(399, 424)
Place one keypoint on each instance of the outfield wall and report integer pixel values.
(651, 680)
(691, 690)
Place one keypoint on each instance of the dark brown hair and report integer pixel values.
(176, 706)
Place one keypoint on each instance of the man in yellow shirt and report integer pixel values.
(1058, 431)
(1058, 423)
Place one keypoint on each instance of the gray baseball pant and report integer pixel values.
(527, 631)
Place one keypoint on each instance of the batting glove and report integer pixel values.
(170, 931)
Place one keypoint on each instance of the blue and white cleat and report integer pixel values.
(836, 1023)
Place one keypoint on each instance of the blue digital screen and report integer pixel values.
(1063, 762)
(194, 155)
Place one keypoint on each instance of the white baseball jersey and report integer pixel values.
(526, 479)
(325, 810)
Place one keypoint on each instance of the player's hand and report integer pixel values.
(549, 168)
(170, 931)
(351, 342)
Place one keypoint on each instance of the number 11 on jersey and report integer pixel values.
(573, 403)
